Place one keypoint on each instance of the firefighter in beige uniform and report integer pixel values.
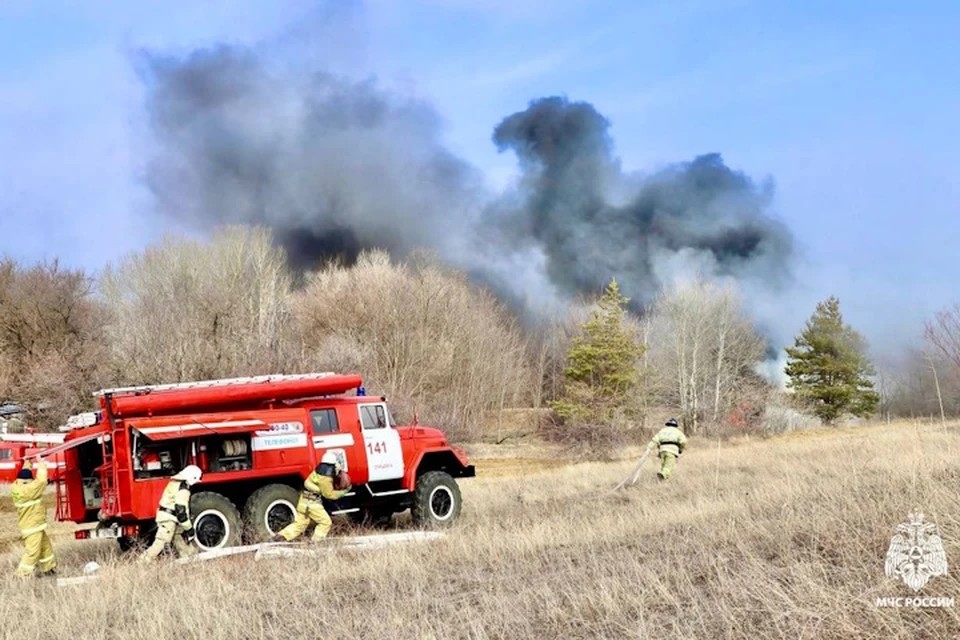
(27, 494)
(173, 516)
(310, 507)
(670, 443)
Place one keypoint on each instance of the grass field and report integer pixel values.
(777, 538)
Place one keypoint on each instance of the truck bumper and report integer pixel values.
(127, 530)
(469, 471)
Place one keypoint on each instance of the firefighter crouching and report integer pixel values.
(670, 443)
(27, 494)
(329, 481)
(173, 517)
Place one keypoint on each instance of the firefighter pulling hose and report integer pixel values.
(329, 481)
(173, 516)
(670, 442)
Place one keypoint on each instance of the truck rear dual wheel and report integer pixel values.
(436, 500)
(216, 521)
(268, 510)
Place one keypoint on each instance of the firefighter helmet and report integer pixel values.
(191, 474)
(672, 422)
(331, 458)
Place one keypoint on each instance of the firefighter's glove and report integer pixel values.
(189, 536)
(342, 482)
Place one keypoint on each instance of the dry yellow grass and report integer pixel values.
(783, 538)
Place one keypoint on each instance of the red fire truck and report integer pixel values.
(256, 440)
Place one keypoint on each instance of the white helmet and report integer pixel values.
(330, 458)
(191, 474)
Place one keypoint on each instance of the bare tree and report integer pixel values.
(703, 350)
(185, 310)
(52, 349)
(919, 383)
(421, 333)
(943, 332)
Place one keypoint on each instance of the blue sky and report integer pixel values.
(850, 107)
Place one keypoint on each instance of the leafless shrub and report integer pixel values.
(780, 417)
(421, 334)
(51, 343)
(594, 440)
(186, 310)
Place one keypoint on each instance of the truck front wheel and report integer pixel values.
(436, 500)
(215, 520)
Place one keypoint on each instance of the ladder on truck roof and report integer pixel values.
(204, 384)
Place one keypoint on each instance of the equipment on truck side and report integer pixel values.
(255, 441)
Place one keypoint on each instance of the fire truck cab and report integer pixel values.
(256, 440)
(15, 447)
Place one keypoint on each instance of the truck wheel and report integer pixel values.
(268, 510)
(378, 518)
(436, 500)
(215, 520)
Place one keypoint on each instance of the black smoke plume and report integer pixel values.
(699, 215)
(333, 166)
(336, 166)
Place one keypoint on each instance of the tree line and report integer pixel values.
(425, 336)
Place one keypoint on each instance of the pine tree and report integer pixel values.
(828, 366)
(602, 375)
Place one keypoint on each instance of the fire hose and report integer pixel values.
(631, 480)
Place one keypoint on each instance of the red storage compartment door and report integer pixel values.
(70, 444)
(159, 429)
